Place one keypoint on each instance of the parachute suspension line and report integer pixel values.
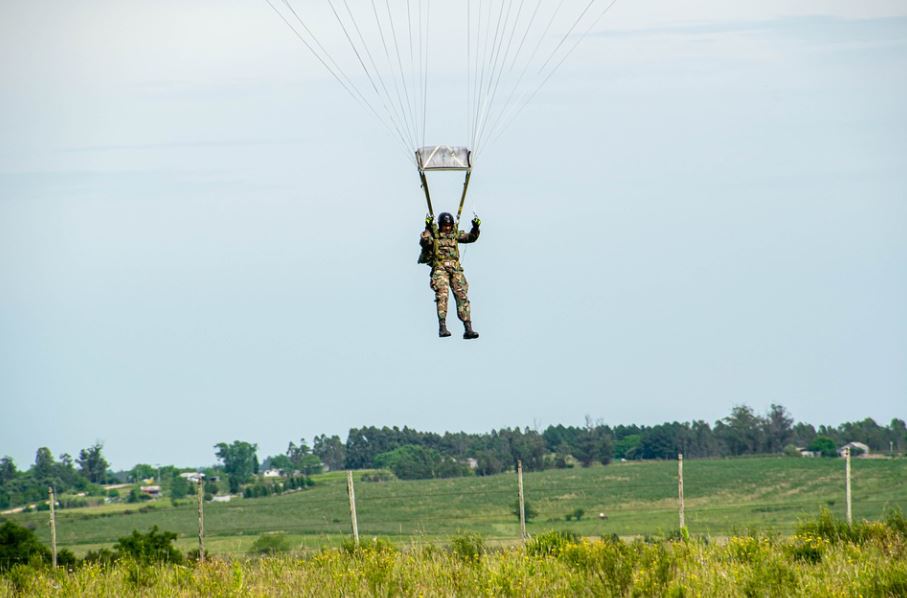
(566, 35)
(486, 52)
(406, 94)
(389, 63)
(474, 109)
(468, 62)
(368, 54)
(516, 56)
(374, 64)
(557, 66)
(500, 70)
(412, 60)
(339, 75)
(425, 77)
(529, 60)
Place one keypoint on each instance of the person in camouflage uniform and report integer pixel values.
(440, 249)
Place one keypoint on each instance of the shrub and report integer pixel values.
(469, 547)
(528, 510)
(153, 547)
(270, 544)
(20, 546)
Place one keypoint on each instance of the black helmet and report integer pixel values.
(445, 218)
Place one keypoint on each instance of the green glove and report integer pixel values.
(429, 221)
(476, 222)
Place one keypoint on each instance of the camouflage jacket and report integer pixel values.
(442, 248)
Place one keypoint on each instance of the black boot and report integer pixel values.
(470, 333)
(442, 329)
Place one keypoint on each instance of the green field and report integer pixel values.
(723, 496)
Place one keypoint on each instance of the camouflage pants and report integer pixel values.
(443, 280)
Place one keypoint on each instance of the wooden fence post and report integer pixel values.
(683, 522)
(53, 525)
(201, 518)
(519, 474)
(847, 486)
(351, 491)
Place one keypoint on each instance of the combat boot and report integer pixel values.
(470, 333)
(442, 329)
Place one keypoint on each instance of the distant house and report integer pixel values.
(857, 449)
(221, 498)
(192, 476)
(472, 463)
(273, 473)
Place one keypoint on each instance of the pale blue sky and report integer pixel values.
(203, 239)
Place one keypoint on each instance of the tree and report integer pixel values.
(7, 470)
(43, 469)
(777, 428)
(824, 445)
(302, 459)
(741, 431)
(240, 462)
(330, 450)
(179, 486)
(628, 447)
(92, 463)
(140, 472)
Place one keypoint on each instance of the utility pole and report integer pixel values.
(201, 517)
(53, 525)
(683, 523)
(519, 474)
(847, 486)
(351, 491)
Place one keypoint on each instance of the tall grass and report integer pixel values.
(817, 561)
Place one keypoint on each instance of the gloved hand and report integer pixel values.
(476, 222)
(429, 221)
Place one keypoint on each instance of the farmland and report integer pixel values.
(723, 497)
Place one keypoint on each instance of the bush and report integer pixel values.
(528, 510)
(20, 546)
(270, 544)
(576, 514)
(153, 547)
(469, 547)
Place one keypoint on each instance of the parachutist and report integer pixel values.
(440, 250)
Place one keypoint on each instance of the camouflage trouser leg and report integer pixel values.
(442, 282)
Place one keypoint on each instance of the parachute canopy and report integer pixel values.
(443, 157)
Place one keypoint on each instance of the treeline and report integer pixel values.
(742, 432)
(411, 454)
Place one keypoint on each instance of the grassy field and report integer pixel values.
(723, 497)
